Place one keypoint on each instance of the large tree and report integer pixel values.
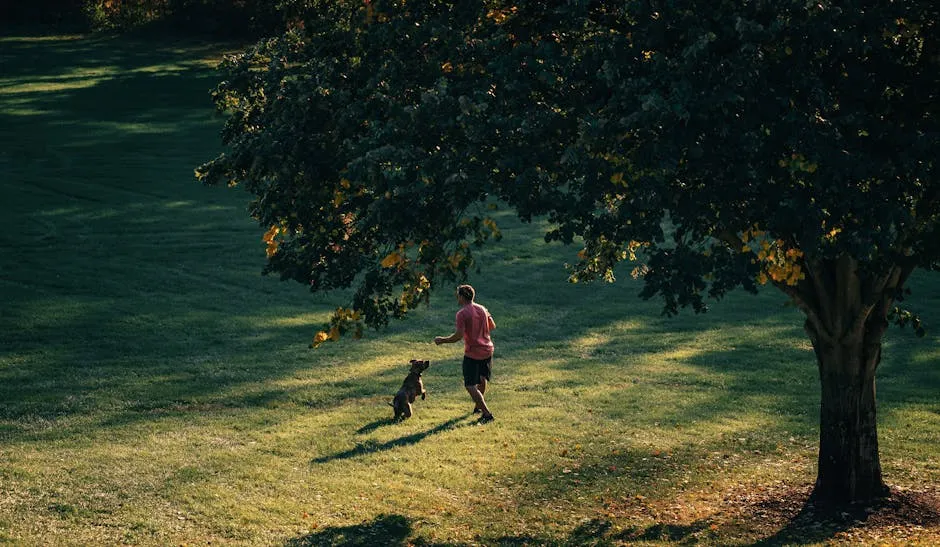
(721, 144)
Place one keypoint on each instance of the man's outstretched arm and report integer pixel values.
(447, 339)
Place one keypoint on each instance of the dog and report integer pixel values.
(410, 389)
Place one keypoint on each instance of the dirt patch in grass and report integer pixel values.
(778, 514)
(783, 514)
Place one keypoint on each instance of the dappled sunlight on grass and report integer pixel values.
(53, 84)
(303, 320)
(929, 355)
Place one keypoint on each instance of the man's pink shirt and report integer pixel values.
(473, 324)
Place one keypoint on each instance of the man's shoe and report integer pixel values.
(485, 419)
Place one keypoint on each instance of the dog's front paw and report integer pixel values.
(424, 395)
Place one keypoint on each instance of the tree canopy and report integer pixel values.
(721, 144)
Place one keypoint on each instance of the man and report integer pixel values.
(474, 324)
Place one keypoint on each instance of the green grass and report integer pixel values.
(155, 389)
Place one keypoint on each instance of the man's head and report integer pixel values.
(465, 294)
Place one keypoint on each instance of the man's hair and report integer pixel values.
(466, 292)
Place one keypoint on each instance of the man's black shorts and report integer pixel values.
(474, 368)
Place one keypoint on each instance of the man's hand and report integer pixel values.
(447, 339)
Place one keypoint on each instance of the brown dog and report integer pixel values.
(410, 389)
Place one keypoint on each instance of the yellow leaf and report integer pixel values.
(268, 236)
(392, 260)
(319, 338)
(271, 250)
(616, 178)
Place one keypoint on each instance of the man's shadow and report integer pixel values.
(372, 447)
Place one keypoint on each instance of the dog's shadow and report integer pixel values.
(369, 428)
(372, 447)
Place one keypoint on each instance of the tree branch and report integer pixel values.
(731, 239)
(815, 271)
(811, 315)
(848, 295)
(857, 330)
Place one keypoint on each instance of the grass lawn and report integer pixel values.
(156, 390)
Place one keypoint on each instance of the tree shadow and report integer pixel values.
(673, 533)
(372, 447)
(390, 530)
(811, 525)
(820, 523)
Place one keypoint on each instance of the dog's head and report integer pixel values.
(418, 366)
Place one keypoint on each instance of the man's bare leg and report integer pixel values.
(477, 397)
(482, 387)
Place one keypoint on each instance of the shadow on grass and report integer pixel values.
(902, 509)
(369, 428)
(393, 530)
(372, 447)
(811, 526)
(390, 530)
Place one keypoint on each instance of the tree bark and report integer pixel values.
(849, 468)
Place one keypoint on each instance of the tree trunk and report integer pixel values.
(849, 469)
